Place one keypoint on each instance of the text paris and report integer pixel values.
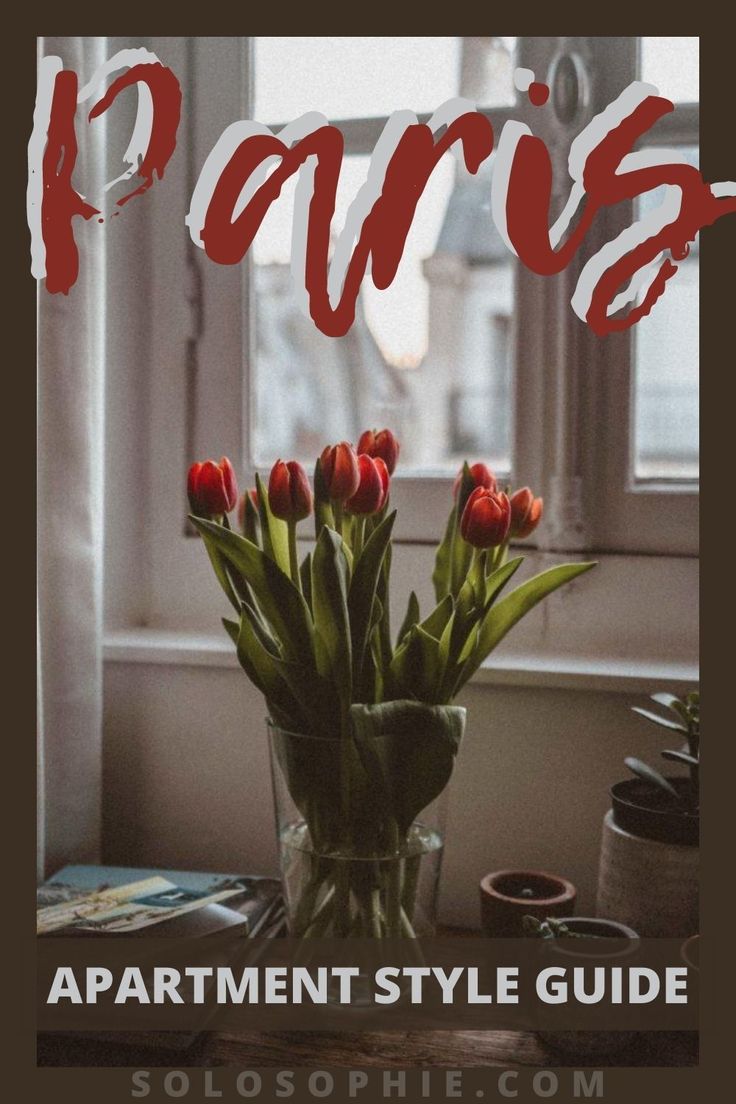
(248, 166)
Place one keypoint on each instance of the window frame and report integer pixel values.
(637, 515)
(201, 345)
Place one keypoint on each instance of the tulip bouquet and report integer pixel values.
(364, 733)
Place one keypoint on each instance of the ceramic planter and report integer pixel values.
(591, 1046)
(643, 809)
(649, 863)
(507, 896)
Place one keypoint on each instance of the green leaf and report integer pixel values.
(447, 643)
(256, 660)
(462, 558)
(408, 750)
(363, 589)
(498, 579)
(454, 554)
(383, 596)
(274, 531)
(658, 719)
(503, 615)
(305, 573)
(668, 700)
(309, 768)
(649, 774)
(330, 605)
(416, 669)
(462, 552)
(232, 628)
(411, 617)
(251, 521)
(323, 512)
(443, 559)
(262, 629)
(467, 614)
(435, 623)
(220, 569)
(681, 757)
(279, 600)
(315, 695)
(469, 646)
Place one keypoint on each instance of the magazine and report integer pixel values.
(121, 900)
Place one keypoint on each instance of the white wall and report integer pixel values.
(187, 780)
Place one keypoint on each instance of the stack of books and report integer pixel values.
(117, 900)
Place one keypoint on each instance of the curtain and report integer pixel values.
(70, 501)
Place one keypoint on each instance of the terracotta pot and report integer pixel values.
(648, 884)
(507, 896)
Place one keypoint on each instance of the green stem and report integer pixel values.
(478, 574)
(376, 929)
(406, 926)
(393, 897)
(359, 538)
(338, 515)
(308, 898)
(342, 899)
(321, 919)
(293, 557)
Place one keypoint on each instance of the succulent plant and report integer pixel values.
(549, 928)
(684, 718)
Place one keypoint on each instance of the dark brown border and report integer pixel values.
(718, 248)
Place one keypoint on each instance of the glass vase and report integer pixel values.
(348, 868)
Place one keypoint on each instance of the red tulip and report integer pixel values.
(381, 444)
(526, 512)
(340, 471)
(486, 518)
(385, 478)
(289, 493)
(482, 477)
(212, 488)
(373, 486)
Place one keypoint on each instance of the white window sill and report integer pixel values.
(606, 673)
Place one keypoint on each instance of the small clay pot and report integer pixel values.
(646, 810)
(507, 896)
(619, 940)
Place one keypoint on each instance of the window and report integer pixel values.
(467, 354)
(648, 476)
(666, 373)
(420, 356)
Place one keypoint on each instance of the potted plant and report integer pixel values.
(648, 874)
(362, 726)
(599, 938)
(507, 897)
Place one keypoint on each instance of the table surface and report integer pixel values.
(309, 1049)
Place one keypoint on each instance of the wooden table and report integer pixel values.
(389, 1050)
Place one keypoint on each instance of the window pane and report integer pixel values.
(673, 65)
(353, 78)
(430, 357)
(666, 373)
